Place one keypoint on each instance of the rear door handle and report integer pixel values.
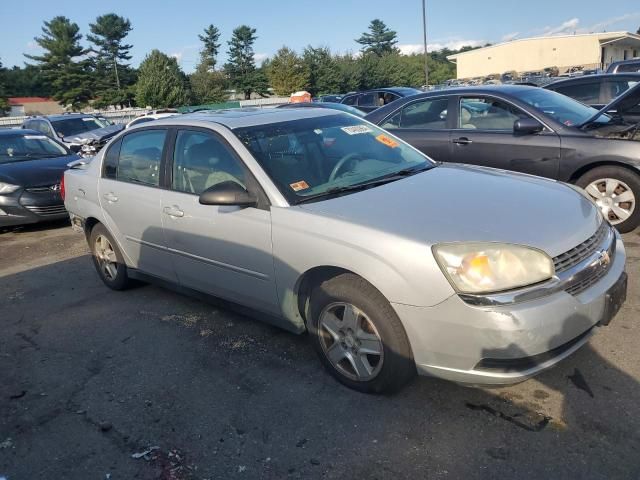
(462, 141)
(110, 197)
(173, 211)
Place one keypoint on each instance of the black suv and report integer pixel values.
(370, 100)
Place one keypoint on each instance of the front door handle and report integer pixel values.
(462, 141)
(173, 211)
(110, 197)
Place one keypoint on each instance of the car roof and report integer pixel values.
(248, 117)
(401, 90)
(5, 132)
(597, 76)
(60, 116)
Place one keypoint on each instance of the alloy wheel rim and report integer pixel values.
(614, 197)
(106, 256)
(350, 341)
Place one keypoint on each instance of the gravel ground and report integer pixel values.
(148, 384)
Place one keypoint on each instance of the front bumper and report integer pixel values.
(32, 205)
(504, 344)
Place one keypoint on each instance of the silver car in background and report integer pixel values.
(323, 223)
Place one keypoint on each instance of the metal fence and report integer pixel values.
(125, 115)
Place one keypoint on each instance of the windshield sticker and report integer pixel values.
(297, 186)
(356, 129)
(35, 137)
(388, 141)
(318, 131)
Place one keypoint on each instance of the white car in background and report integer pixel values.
(152, 115)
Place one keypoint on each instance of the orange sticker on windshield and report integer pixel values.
(388, 141)
(297, 186)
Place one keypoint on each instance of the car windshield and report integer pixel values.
(321, 156)
(560, 107)
(15, 148)
(76, 125)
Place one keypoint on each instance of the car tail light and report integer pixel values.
(62, 187)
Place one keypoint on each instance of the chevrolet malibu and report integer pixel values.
(320, 222)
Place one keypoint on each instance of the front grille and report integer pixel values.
(48, 210)
(573, 257)
(578, 288)
(44, 189)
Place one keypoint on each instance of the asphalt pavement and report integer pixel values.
(149, 384)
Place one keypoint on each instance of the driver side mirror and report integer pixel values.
(228, 193)
(527, 126)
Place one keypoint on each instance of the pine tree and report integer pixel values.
(208, 85)
(241, 67)
(4, 103)
(287, 72)
(324, 76)
(161, 83)
(69, 75)
(113, 74)
(380, 40)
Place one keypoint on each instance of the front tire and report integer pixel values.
(616, 191)
(108, 259)
(358, 336)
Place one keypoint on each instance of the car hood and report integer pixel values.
(459, 203)
(35, 173)
(98, 134)
(621, 104)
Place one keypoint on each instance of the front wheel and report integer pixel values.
(616, 191)
(359, 337)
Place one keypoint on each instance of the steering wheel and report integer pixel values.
(341, 163)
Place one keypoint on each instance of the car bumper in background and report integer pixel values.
(31, 206)
(503, 344)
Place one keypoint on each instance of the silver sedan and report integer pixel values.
(321, 222)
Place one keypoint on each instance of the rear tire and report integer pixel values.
(616, 190)
(358, 336)
(108, 259)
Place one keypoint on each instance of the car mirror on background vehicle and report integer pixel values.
(228, 193)
(527, 126)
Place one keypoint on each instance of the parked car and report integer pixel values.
(625, 66)
(331, 105)
(370, 100)
(322, 222)
(150, 116)
(82, 133)
(328, 98)
(531, 130)
(31, 166)
(595, 90)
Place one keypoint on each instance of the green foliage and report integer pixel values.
(69, 76)
(241, 67)
(323, 75)
(380, 40)
(4, 103)
(112, 75)
(209, 53)
(161, 83)
(207, 84)
(26, 82)
(287, 72)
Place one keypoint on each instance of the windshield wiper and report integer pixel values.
(405, 172)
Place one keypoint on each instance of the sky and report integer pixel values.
(173, 26)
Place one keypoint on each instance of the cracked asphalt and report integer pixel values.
(149, 384)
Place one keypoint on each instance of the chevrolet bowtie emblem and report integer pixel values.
(604, 259)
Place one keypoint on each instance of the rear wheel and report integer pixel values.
(108, 259)
(358, 336)
(616, 191)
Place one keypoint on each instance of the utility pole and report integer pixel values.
(115, 67)
(424, 38)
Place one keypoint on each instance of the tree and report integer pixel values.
(61, 62)
(26, 82)
(287, 72)
(113, 74)
(4, 103)
(161, 83)
(241, 67)
(324, 76)
(380, 40)
(207, 84)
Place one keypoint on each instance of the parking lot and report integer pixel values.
(91, 379)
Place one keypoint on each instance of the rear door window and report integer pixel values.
(140, 156)
(614, 88)
(368, 100)
(430, 114)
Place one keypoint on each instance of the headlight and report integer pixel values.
(8, 188)
(492, 267)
